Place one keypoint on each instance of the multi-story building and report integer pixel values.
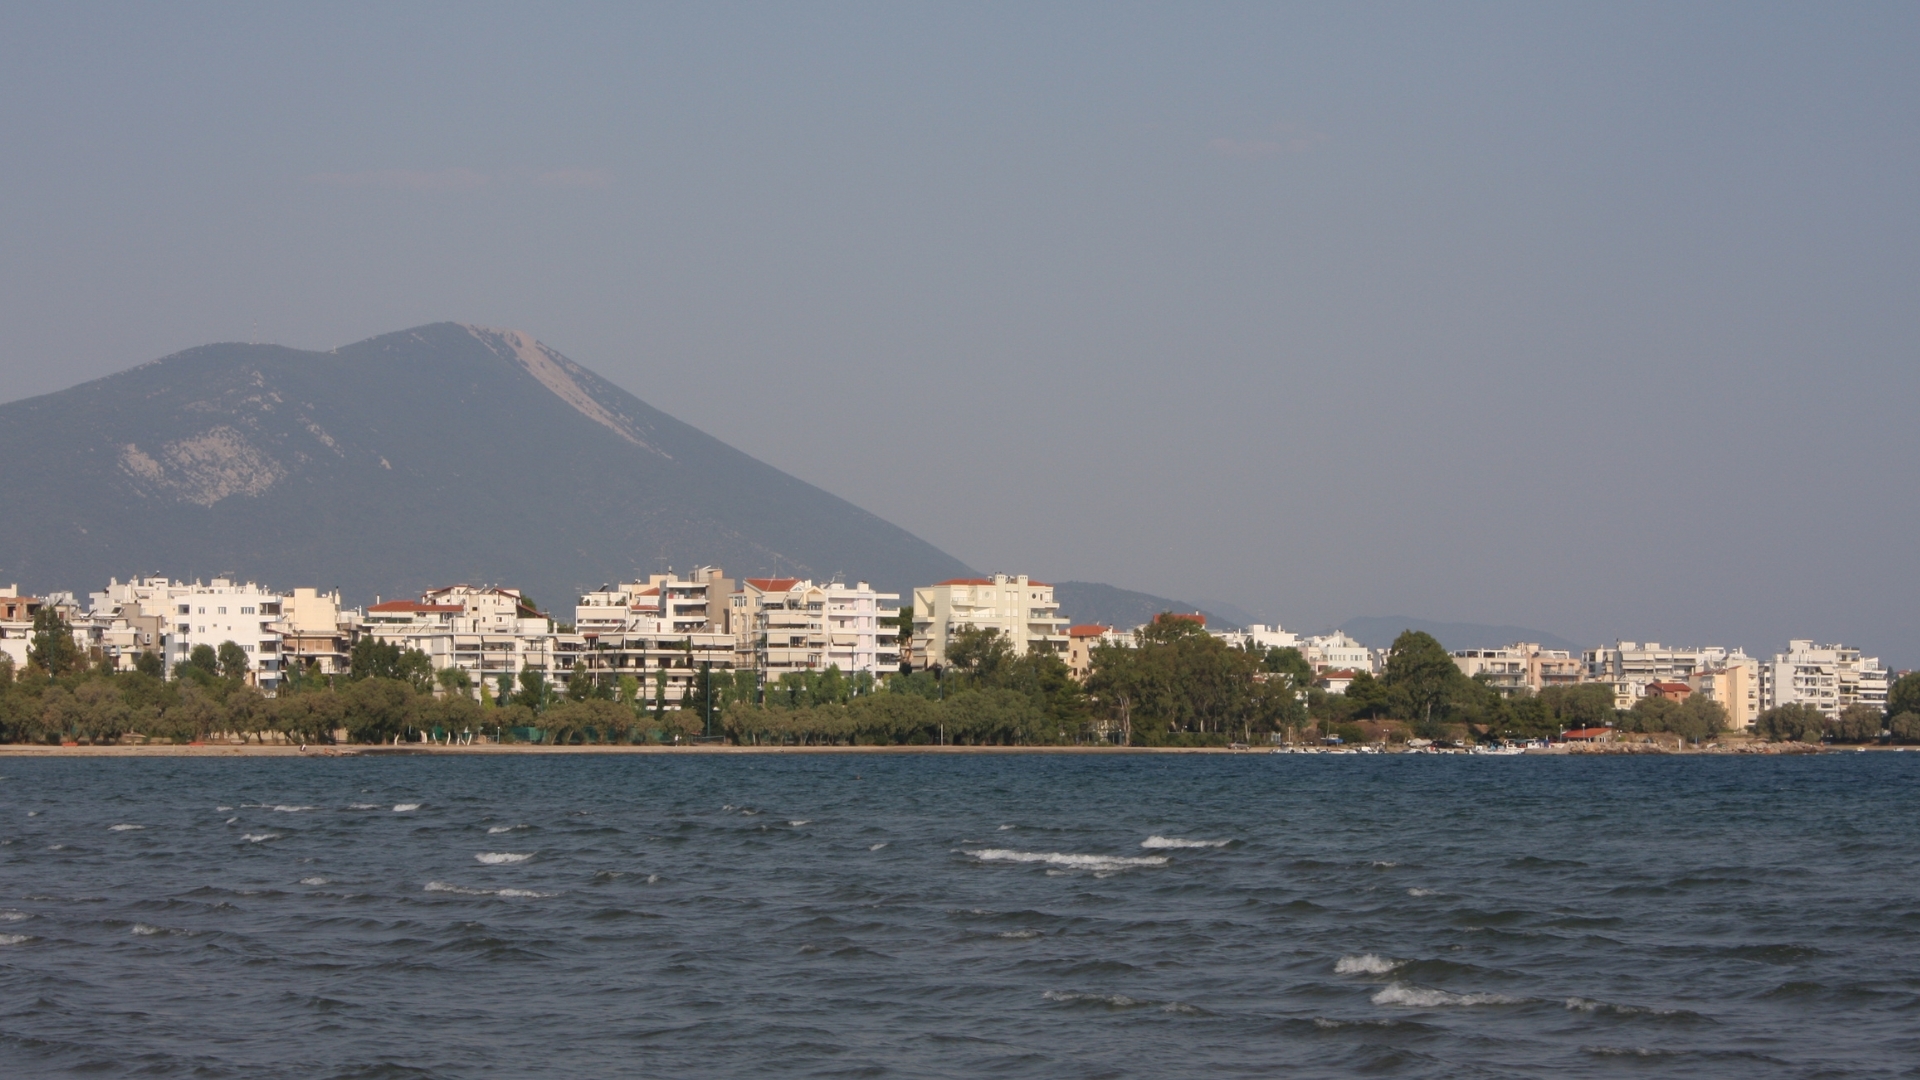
(1735, 684)
(790, 624)
(1337, 652)
(652, 632)
(1083, 639)
(1828, 677)
(1630, 666)
(16, 624)
(1021, 610)
(1522, 666)
(315, 633)
(485, 631)
(210, 614)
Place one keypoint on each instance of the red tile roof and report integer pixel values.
(1670, 687)
(1087, 630)
(773, 584)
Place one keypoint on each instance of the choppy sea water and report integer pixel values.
(960, 915)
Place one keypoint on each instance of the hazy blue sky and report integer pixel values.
(1601, 319)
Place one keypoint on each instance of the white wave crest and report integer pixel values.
(1421, 892)
(401, 808)
(497, 858)
(14, 939)
(13, 916)
(797, 822)
(498, 829)
(293, 809)
(1422, 997)
(223, 808)
(255, 838)
(1067, 859)
(876, 847)
(1004, 828)
(1018, 935)
(461, 890)
(1364, 964)
(1117, 1001)
(143, 930)
(125, 828)
(314, 881)
(1177, 842)
(363, 806)
(653, 879)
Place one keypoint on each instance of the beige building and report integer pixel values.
(1630, 666)
(1021, 610)
(314, 632)
(1736, 686)
(1523, 665)
(1082, 640)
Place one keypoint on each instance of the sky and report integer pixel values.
(1597, 318)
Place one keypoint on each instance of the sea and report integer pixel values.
(960, 915)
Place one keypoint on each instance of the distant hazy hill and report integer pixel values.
(436, 455)
(1378, 632)
(1089, 602)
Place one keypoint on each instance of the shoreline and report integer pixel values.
(256, 750)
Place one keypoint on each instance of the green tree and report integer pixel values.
(1905, 727)
(149, 664)
(1904, 695)
(534, 692)
(371, 658)
(376, 709)
(52, 648)
(232, 660)
(976, 657)
(1419, 667)
(1787, 723)
(202, 665)
(455, 682)
(1288, 662)
(1857, 723)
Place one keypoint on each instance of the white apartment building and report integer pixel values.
(197, 614)
(316, 632)
(1023, 611)
(1336, 652)
(485, 631)
(659, 632)
(1522, 666)
(1259, 638)
(1828, 677)
(790, 624)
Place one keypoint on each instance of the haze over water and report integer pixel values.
(945, 915)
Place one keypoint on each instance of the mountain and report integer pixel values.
(441, 454)
(1090, 602)
(1378, 632)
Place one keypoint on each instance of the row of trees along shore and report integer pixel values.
(1179, 686)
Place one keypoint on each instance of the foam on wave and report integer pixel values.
(461, 890)
(1364, 964)
(1155, 842)
(405, 807)
(497, 858)
(125, 828)
(1425, 997)
(498, 829)
(15, 939)
(1068, 860)
(141, 929)
(315, 881)
(13, 916)
(255, 838)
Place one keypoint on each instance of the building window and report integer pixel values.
(220, 611)
(246, 611)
